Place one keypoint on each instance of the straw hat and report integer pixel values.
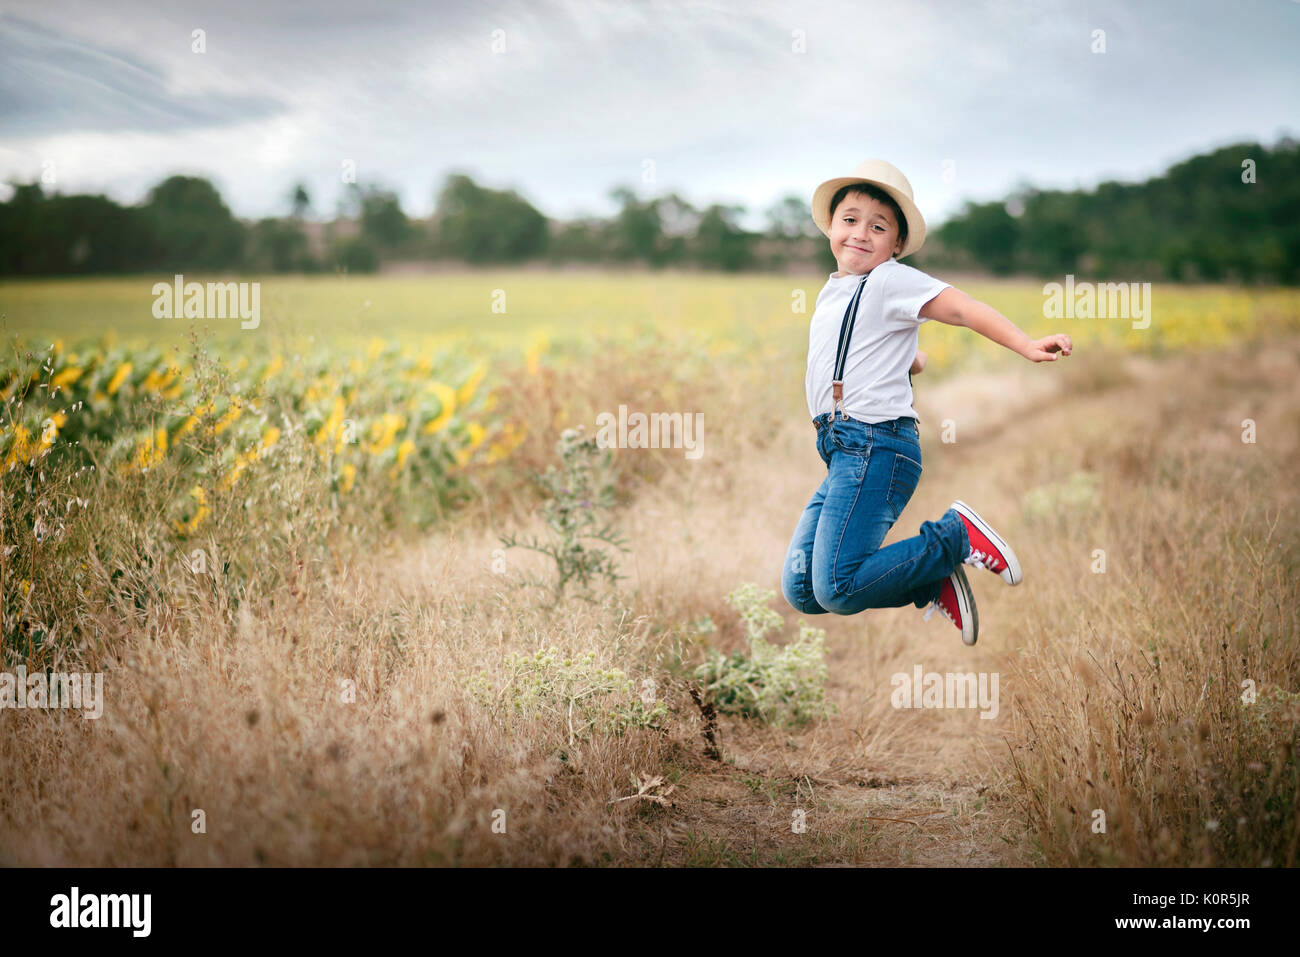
(888, 177)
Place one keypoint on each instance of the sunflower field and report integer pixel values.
(113, 459)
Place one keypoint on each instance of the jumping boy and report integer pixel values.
(862, 348)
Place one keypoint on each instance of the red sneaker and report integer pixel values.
(987, 548)
(957, 604)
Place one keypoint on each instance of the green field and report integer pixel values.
(508, 309)
(489, 307)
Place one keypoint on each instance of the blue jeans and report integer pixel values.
(835, 562)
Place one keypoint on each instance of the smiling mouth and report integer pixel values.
(857, 248)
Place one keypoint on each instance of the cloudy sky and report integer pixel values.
(738, 102)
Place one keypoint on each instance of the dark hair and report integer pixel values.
(876, 193)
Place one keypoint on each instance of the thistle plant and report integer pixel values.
(776, 684)
(576, 493)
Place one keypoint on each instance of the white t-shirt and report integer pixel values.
(880, 353)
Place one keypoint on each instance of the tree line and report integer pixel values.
(1229, 215)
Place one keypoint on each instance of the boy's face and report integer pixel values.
(864, 233)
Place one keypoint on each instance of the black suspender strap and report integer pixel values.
(841, 353)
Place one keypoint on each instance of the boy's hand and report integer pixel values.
(918, 363)
(1049, 348)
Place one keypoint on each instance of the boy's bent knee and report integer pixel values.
(805, 606)
(835, 602)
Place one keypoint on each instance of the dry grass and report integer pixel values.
(240, 714)
(1130, 684)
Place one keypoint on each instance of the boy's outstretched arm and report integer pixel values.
(958, 309)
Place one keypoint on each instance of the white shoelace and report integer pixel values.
(929, 610)
(983, 560)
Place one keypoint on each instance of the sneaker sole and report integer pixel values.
(1013, 574)
(966, 603)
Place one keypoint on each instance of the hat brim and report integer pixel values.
(821, 209)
